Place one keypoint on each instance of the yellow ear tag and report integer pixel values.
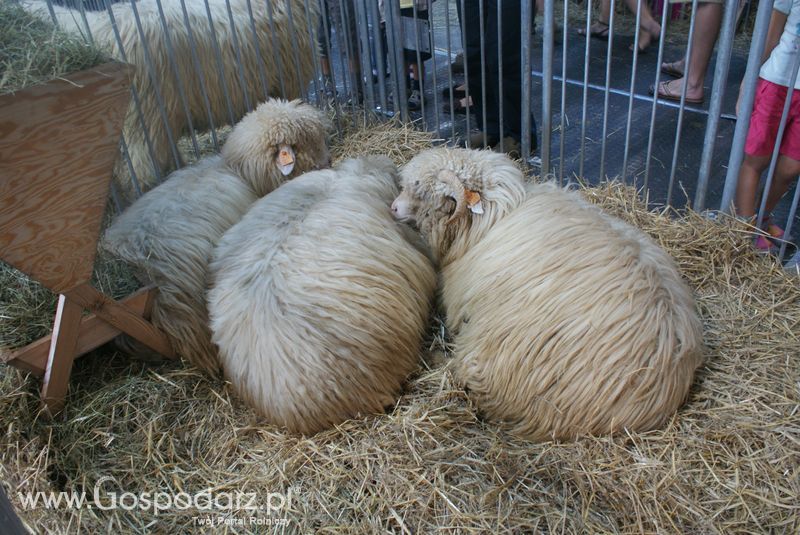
(286, 159)
(473, 199)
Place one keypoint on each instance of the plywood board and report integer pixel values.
(58, 144)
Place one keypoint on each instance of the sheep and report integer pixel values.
(170, 232)
(217, 77)
(318, 303)
(566, 321)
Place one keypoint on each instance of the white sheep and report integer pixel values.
(566, 321)
(217, 76)
(318, 303)
(170, 232)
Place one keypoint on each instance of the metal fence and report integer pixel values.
(595, 116)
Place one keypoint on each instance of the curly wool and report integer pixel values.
(318, 302)
(171, 231)
(217, 77)
(566, 321)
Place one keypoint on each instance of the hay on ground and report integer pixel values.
(728, 462)
(33, 51)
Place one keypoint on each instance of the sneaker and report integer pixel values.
(793, 265)
(763, 244)
(329, 90)
(415, 100)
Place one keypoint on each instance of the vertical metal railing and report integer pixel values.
(547, 83)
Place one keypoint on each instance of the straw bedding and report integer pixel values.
(728, 462)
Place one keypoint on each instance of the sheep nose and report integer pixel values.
(394, 206)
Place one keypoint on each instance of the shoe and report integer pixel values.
(670, 69)
(763, 244)
(665, 93)
(598, 30)
(457, 66)
(329, 91)
(415, 100)
(793, 265)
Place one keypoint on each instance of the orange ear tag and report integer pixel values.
(474, 201)
(285, 159)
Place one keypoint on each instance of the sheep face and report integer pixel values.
(276, 142)
(453, 196)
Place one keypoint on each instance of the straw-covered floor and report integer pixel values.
(729, 462)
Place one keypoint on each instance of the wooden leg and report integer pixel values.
(62, 353)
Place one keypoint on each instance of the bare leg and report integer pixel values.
(785, 173)
(601, 25)
(749, 177)
(650, 29)
(709, 18)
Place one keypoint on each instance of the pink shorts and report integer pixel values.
(766, 118)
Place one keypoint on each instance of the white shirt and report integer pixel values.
(778, 67)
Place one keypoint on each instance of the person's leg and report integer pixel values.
(707, 24)
(470, 19)
(650, 29)
(600, 27)
(786, 171)
(749, 177)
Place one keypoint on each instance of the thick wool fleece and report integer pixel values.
(318, 302)
(566, 321)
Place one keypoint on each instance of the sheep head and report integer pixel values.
(276, 142)
(453, 196)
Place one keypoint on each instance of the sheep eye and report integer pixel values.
(416, 182)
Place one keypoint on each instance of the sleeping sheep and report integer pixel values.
(170, 232)
(318, 303)
(566, 321)
(228, 89)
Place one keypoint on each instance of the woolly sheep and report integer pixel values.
(318, 303)
(566, 321)
(171, 231)
(217, 77)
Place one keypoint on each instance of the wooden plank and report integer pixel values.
(62, 354)
(58, 144)
(94, 332)
(121, 318)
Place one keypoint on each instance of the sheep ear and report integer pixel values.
(473, 199)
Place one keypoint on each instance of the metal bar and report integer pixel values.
(136, 100)
(198, 69)
(178, 78)
(500, 72)
(482, 31)
(585, 109)
(276, 52)
(393, 7)
(682, 104)
(763, 16)
(344, 37)
(220, 64)
(262, 75)
(420, 64)
(605, 98)
(787, 233)
(311, 27)
(633, 86)
(724, 49)
(52, 13)
(778, 138)
(115, 197)
(651, 134)
(466, 66)
(134, 179)
(238, 55)
(564, 33)
(156, 83)
(380, 56)
(295, 49)
(450, 70)
(547, 82)
(433, 61)
(526, 12)
(337, 109)
(89, 37)
(364, 53)
(636, 96)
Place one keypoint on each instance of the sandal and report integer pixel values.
(598, 30)
(670, 69)
(666, 94)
